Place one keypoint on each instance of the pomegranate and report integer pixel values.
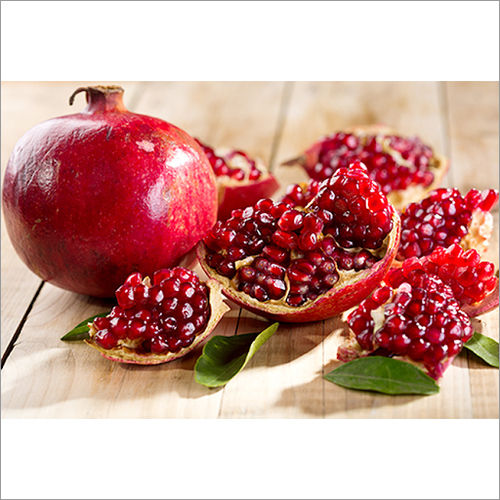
(404, 167)
(89, 198)
(444, 218)
(241, 181)
(160, 320)
(418, 320)
(471, 280)
(305, 264)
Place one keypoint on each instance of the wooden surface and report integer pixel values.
(44, 377)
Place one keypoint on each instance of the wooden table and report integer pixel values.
(44, 377)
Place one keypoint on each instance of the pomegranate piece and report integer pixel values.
(241, 180)
(420, 321)
(159, 321)
(305, 264)
(90, 197)
(471, 280)
(444, 218)
(404, 167)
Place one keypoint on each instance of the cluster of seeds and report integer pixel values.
(222, 165)
(421, 321)
(361, 214)
(440, 220)
(470, 279)
(160, 317)
(394, 162)
(299, 195)
(305, 248)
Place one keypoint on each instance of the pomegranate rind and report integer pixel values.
(123, 354)
(352, 288)
(399, 198)
(238, 194)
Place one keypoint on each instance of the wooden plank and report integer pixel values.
(23, 106)
(74, 381)
(473, 122)
(472, 109)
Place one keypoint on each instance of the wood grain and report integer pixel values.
(44, 377)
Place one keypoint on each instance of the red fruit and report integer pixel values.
(444, 218)
(388, 324)
(160, 330)
(472, 281)
(89, 198)
(404, 167)
(293, 261)
(241, 181)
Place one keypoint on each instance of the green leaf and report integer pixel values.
(81, 331)
(380, 374)
(484, 347)
(225, 357)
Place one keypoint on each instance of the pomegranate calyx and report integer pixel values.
(101, 98)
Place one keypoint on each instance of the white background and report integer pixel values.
(250, 41)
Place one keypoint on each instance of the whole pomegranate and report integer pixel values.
(89, 198)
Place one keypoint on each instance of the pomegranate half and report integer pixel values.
(306, 264)
(89, 198)
(404, 167)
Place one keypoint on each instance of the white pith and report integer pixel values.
(480, 231)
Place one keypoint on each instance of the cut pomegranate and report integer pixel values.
(305, 264)
(419, 321)
(471, 280)
(159, 321)
(404, 167)
(444, 218)
(241, 181)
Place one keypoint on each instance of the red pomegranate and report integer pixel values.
(418, 320)
(241, 180)
(89, 198)
(306, 264)
(158, 320)
(404, 167)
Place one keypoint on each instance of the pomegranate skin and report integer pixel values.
(89, 198)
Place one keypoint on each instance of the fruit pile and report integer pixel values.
(371, 232)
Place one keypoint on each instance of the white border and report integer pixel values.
(271, 40)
